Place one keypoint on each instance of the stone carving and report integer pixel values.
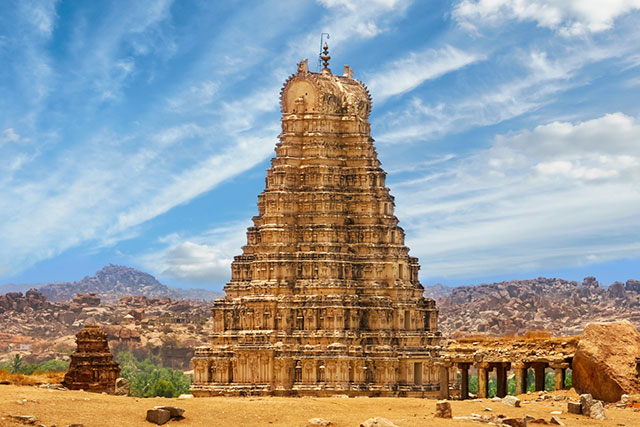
(325, 298)
(92, 367)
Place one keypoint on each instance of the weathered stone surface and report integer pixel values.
(586, 402)
(24, 419)
(92, 367)
(513, 422)
(597, 411)
(122, 387)
(574, 408)
(158, 416)
(174, 411)
(325, 267)
(605, 361)
(511, 401)
(319, 422)
(556, 420)
(443, 409)
(378, 422)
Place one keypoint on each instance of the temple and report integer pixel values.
(92, 367)
(325, 298)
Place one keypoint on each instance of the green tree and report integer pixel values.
(163, 388)
(16, 364)
(148, 378)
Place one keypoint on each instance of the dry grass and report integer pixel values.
(35, 379)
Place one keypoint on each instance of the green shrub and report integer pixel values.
(149, 378)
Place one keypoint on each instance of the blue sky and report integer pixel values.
(138, 133)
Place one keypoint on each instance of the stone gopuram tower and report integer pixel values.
(325, 298)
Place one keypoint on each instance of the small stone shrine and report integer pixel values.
(325, 298)
(92, 367)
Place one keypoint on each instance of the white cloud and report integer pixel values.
(359, 18)
(41, 14)
(9, 135)
(195, 97)
(205, 258)
(543, 80)
(406, 74)
(558, 195)
(567, 17)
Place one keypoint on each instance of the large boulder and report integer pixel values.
(604, 364)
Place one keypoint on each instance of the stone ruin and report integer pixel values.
(92, 367)
(325, 298)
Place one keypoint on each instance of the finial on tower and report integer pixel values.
(325, 57)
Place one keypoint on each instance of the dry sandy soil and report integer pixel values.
(98, 410)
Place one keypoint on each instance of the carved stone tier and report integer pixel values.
(325, 297)
(92, 367)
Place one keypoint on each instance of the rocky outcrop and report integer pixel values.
(44, 330)
(558, 306)
(605, 361)
(15, 301)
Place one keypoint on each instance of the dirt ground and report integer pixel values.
(99, 410)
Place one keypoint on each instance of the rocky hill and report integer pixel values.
(114, 281)
(40, 329)
(558, 306)
(437, 291)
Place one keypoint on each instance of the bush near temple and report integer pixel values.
(149, 378)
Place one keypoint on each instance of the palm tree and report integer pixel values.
(16, 364)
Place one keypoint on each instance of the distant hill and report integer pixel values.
(113, 282)
(437, 291)
(559, 306)
(14, 287)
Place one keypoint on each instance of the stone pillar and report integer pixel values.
(483, 380)
(443, 368)
(521, 377)
(464, 380)
(559, 370)
(501, 379)
(539, 374)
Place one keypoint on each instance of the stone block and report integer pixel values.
(122, 387)
(319, 422)
(158, 416)
(511, 401)
(378, 422)
(174, 412)
(23, 419)
(574, 408)
(443, 409)
(556, 420)
(586, 401)
(513, 422)
(597, 411)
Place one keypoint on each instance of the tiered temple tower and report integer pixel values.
(324, 298)
(92, 367)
